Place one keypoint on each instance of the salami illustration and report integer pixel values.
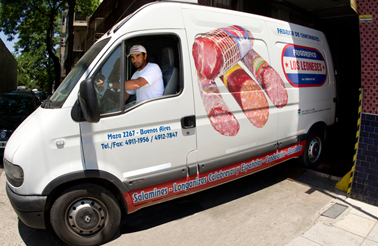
(216, 55)
(267, 77)
(220, 116)
(248, 95)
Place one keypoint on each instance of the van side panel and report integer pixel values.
(291, 64)
(235, 87)
(302, 58)
(148, 196)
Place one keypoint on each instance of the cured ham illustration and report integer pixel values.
(216, 55)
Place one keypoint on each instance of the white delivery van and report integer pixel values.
(242, 93)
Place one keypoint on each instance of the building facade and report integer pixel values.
(365, 178)
(80, 30)
(8, 69)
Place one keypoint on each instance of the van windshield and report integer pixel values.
(65, 88)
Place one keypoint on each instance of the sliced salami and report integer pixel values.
(217, 51)
(267, 77)
(248, 95)
(220, 116)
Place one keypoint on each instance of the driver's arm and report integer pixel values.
(133, 84)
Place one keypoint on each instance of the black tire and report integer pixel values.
(313, 150)
(85, 215)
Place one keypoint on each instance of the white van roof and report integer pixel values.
(176, 14)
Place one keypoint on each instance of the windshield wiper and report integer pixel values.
(46, 103)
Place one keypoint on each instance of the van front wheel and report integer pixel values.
(85, 215)
(313, 149)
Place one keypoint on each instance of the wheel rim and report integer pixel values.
(86, 216)
(314, 149)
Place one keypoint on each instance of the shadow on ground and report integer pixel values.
(166, 212)
(180, 208)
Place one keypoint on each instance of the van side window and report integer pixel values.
(162, 51)
(107, 84)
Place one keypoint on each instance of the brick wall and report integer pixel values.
(365, 179)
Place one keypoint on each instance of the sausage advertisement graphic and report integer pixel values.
(248, 95)
(220, 116)
(267, 77)
(217, 51)
(216, 55)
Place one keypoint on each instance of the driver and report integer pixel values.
(147, 81)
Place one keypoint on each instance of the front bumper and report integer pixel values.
(30, 209)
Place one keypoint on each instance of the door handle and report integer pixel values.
(188, 122)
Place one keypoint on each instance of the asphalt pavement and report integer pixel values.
(284, 205)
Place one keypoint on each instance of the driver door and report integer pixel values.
(145, 145)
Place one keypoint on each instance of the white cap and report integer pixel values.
(136, 49)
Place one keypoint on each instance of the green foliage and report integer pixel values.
(87, 7)
(34, 69)
(31, 21)
(37, 26)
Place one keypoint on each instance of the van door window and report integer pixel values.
(108, 84)
(63, 91)
(162, 50)
(162, 53)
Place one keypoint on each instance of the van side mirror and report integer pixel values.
(86, 106)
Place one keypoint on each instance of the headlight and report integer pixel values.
(14, 173)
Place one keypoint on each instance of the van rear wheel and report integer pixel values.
(313, 150)
(85, 215)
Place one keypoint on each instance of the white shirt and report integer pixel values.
(155, 86)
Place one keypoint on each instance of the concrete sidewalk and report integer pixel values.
(356, 225)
